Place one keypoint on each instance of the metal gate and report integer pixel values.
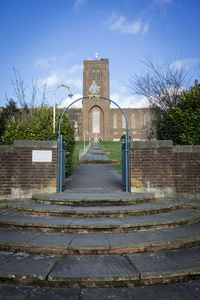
(126, 164)
(61, 164)
(125, 152)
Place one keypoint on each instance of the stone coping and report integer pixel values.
(6, 148)
(164, 144)
(35, 144)
(151, 144)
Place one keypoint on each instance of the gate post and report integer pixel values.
(60, 159)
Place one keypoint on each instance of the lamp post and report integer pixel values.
(54, 103)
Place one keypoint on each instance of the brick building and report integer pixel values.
(96, 119)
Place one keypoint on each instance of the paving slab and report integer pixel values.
(17, 236)
(12, 292)
(90, 241)
(25, 266)
(94, 268)
(126, 240)
(178, 291)
(167, 263)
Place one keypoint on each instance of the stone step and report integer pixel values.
(98, 160)
(31, 207)
(88, 198)
(100, 270)
(99, 243)
(179, 291)
(95, 152)
(115, 224)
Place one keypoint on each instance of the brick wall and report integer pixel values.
(160, 167)
(20, 176)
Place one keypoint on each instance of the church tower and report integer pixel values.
(95, 109)
(97, 71)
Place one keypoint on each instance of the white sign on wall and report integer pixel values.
(41, 156)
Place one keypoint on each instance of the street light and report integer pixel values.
(54, 103)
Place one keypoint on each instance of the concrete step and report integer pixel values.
(32, 207)
(99, 243)
(88, 198)
(100, 270)
(117, 224)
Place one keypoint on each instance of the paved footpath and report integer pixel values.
(95, 173)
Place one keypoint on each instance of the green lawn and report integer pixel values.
(113, 151)
(78, 146)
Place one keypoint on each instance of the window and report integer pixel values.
(96, 76)
(146, 120)
(132, 121)
(96, 120)
(114, 121)
(123, 122)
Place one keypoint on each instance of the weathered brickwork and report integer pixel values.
(160, 167)
(20, 175)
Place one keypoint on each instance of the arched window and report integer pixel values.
(114, 121)
(123, 122)
(96, 120)
(133, 121)
(146, 119)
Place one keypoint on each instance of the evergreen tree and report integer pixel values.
(181, 124)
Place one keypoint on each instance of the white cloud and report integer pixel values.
(78, 3)
(127, 101)
(76, 82)
(68, 101)
(43, 63)
(75, 68)
(53, 61)
(184, 63)
(51, 79)
(127, 27)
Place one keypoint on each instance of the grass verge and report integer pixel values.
(113, 151)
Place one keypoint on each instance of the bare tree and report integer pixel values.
(162, 85)
(19, 88)
(35, 96)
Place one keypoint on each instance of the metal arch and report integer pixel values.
(127, 140)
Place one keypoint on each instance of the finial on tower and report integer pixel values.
(97, 55)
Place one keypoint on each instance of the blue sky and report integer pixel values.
(47, 41)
